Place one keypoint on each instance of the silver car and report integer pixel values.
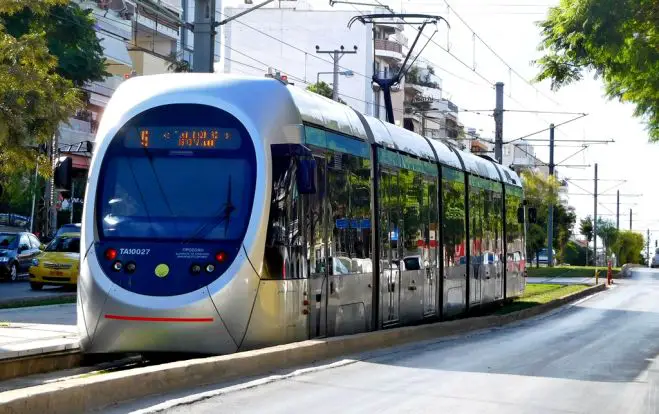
(655, 259)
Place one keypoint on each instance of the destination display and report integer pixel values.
(183, 138)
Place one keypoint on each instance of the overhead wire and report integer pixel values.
(499, 56)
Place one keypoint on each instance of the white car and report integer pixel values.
(655, 259)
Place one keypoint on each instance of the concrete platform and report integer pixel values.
(565, 280)
(39, 329)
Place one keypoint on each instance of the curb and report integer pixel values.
(97, 392)
(55, 359)
(34, 301)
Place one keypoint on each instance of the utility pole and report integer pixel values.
(630, 219)
(595, 218)
(618, 211)
(336, 57)
(423, 125)
(498, 124)
(550, 221)
(204, 36)
(648, 244)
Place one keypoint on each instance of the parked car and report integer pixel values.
(59, 264)
(68, 228)
(542, 257)
(16, 253)
(655, 259)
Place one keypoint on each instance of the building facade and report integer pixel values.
(285, 38)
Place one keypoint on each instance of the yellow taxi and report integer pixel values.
(58, 264)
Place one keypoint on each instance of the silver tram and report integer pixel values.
(228, 213)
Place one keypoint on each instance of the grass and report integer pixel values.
(24, 303)
(540, 294)
(570, 271)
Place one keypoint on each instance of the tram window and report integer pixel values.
(476, 220)
(349, 211)
(284, 250)
(412, 205)
(390, 220)
(514, 233)
(453, 222)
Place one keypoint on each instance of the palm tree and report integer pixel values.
(178, 66)
(586, 229)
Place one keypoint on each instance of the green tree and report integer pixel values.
(178, 65)
(586, 230)
(323, 89)
(628, 246)
(607, 231)
(575, 254)
(617, 39)
(34, 97)
(69, 35)
(536, 240)
(564, 221)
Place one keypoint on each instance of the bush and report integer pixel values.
(574, 254)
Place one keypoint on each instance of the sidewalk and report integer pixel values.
(35, 330)
(565, 280)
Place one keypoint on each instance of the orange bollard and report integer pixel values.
(609, 275)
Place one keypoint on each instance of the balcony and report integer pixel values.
(148, 63)
(74, 131)
(389, 49)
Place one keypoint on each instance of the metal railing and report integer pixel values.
(389, 45)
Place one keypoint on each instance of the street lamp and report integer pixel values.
(346, 73)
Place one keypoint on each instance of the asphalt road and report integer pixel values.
(21, 290)
(597, 356)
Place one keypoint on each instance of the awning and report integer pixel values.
(98, 100)
(115, 51)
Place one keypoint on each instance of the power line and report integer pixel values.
(498, 56)
(490, 83)
(546, 129)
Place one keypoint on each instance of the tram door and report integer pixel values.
(390, 249)
(430, 253)
(318, 257)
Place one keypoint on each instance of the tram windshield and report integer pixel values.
(176, 197)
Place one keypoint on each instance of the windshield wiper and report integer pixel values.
(224, 215)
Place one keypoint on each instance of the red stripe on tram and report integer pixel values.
(151, 319)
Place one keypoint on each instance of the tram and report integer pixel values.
(227, 213)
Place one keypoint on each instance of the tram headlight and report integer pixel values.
(130, 267)
(117, 266)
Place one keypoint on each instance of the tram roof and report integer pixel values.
(341, 118)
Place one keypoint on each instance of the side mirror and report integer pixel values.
(532, 215)
(306, 176)
(520, 215)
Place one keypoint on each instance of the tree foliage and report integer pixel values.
(607, 231)
(575, 254)
(34, 97)
(586, 228)
(628, 246)
(617, 39)
(542, 191)
(70, 37)
(322, 89)
(179, 65)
